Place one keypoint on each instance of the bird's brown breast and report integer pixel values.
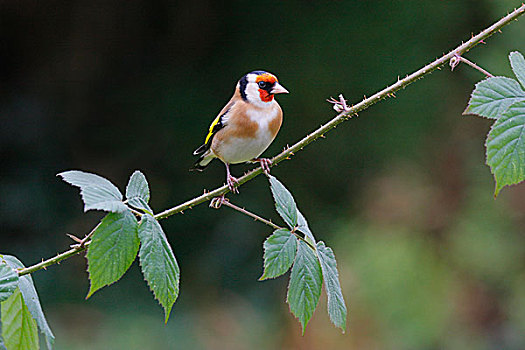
(242, 124)
(275, 124)
(248, 132)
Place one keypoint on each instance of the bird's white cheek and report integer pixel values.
(252, 93)
(254, 97)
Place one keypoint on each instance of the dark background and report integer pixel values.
(427, 258)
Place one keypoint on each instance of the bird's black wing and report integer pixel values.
(218, 123)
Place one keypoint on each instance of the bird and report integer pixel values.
(245, 127)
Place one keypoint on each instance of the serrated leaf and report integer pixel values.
(113, 249)
(19, 329)
(336, 302)
(137, 186)
(8, 280)
(158, 263)
(97, 192)
(517, 62)
(284, 202)
(31, 300)
(137, 192)
(305, 284)
(506, 147)
(279, 253)
(493, 96)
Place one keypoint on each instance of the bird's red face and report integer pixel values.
(264, 81)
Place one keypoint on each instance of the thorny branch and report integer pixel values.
(345, 113)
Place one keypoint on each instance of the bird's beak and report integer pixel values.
(278, 89)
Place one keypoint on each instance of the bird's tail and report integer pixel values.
(203, 161)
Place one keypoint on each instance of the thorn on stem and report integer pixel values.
(73, 237)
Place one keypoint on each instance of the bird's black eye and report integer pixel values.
(262, 84)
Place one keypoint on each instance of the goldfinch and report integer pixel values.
(245, 127)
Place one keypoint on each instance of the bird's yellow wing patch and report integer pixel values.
(211, 131)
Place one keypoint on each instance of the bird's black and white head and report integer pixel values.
(259, 87)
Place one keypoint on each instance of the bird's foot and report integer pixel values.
(232, 181)
(266, 163)
(217, 202)
(339, 105)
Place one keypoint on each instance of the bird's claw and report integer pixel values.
(265, 165)
(339, 105)
(217, 202)
(232, 181)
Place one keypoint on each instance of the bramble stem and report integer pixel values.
(55, 260)
(353, 110)
(457, 58)
(264, 221)
(88, 236)
(341, 117)
(255, 216)
(77, 248)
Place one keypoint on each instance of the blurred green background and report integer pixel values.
(427, 258)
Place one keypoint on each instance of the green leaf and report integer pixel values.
(305, 285)
(97, 192)
(31, 300)
(517, 63)
(113, 248)
(2, 344)
(8, 280)
(284, 202)
(493, 96)
(336, 302)
(19, 329)
(279, 253)
(158, 263)
(137, 192)
(506, 147)
(286, 207)
(137, 186)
